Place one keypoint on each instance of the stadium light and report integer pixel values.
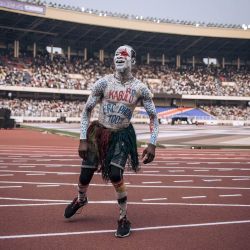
(244, 26)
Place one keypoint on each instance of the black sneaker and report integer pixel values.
(74, 206)
(123, 229)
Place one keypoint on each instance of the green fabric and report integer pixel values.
(128, 137)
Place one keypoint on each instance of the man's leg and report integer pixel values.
(83, 184)
(116, 177)
(81, 200)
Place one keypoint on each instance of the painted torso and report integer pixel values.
(118, 102)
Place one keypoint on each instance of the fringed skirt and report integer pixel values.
(110, 145)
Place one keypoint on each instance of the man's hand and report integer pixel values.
(148, 153)
(82, 149)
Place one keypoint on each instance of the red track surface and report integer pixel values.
(185, 199)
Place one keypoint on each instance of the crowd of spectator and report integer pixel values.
(228, 112)
(58, 108)
(80, 75)
(42, 108)
(57, 73)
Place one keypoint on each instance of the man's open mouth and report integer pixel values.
(120, 61)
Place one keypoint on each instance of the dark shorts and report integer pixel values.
(107, 148)
(119, 158)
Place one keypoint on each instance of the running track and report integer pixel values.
(185, 199)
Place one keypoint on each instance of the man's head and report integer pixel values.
(124, 58)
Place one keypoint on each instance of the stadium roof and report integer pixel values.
(62, 28)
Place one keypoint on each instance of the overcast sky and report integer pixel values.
(217, 11)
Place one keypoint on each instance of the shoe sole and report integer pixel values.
(122, 236)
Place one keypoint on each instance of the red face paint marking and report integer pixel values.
(124, 53)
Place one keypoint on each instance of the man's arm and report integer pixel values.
(94, 98)
(149, 153)
(86, 114)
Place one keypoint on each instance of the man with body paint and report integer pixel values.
(107, 144)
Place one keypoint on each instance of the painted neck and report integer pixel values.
(124, 76)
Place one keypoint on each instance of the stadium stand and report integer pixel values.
(38, 84)
(79, 75)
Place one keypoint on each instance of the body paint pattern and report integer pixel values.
(117, 104)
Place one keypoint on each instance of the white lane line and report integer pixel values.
(178, 175)
(3, 166)
(34, 204)
(194, 163)
(6, 174)
(130, 186)
(44, 160)
(216, 223)
(37, 156)
(153, 171)
(184, 181)
(211, 180)
(194, 197)
(175, 171)
(35, 174)
(225, 169)
(144, 167)
(62, 202)
(26, 166)
(154, 199)
(41, 164)
(57, 166)
(201, 170)
(67, 173)
(151, 182)
(11, 186)
(245, 169)
(47, 185)
(229, 195)
(172, 163)
(241, 179)
(35, 147)
(26, 199)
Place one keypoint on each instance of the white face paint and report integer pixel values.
(123, 58)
